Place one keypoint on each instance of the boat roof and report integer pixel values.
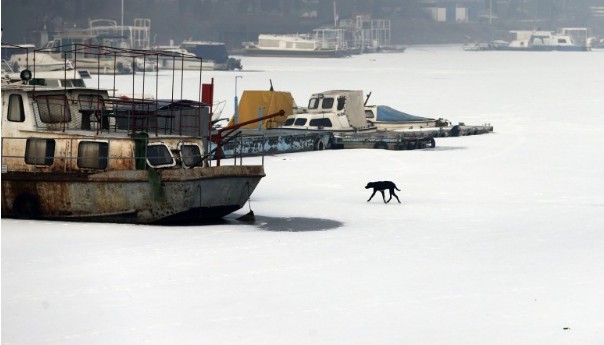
(43, 88)
(334, 92)
(388, 114)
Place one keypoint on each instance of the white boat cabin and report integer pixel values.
(334, 110)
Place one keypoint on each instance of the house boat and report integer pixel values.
(292, 46)
(567, 39)
(78, 153)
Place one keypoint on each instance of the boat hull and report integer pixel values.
(295, 53)
(545, 48)
(141, 197)
(275, 141)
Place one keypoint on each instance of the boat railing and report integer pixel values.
(161, 117)
(91, 111)
(227, 134)
(104, 110)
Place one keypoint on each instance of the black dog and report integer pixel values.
(382, 186)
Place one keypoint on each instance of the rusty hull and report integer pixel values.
(133, 196)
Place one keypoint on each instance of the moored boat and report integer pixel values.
(292, 46)
(355, 124)
(337, 111)
(567, 39)
(214, 52)
(77, 153)
(172, 57)
(385, 118)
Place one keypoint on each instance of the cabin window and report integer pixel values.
(368, 114)
(16, 112)
(92, 109)
(53, 108)
(562, 40)
(159, 156)
(78, 83)
(93, 154)
(323, 122)
(327, 103)
(341, 102)
(313, 103)
(190, 155)
(91, 102)
(41, 82)
(39, 151)
(300, 121)
(289, 121)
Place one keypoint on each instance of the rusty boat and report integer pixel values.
(77, 153)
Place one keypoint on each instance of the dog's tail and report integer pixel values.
(395, 187)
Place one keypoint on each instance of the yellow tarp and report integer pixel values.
(269, 101)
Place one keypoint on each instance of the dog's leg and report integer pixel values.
(396, 196)
(372, 194)
(384, 196)
(391, 191)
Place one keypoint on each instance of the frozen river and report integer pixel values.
(499, 238)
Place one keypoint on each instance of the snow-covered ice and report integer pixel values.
(499, 238)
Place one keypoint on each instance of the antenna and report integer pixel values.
(367, 98)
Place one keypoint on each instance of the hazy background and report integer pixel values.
(235, 21)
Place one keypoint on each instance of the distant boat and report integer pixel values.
(38, 61)
(81, 45)
(172, 57)
(292, 46)
(9, 50)
(476, 46)
(16, 58)
(212, 51)
(568, 39)
(391, 49)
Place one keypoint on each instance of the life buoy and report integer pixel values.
(26, 206)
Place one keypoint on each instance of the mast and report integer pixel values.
(335, 14)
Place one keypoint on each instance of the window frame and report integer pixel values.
(45, 111)
(160, 165)
(47, 159)
(300, 121)
(102, 157)
(313, 123)
(183, 158)
(18, 104)
(329, 101)
(313, 103)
